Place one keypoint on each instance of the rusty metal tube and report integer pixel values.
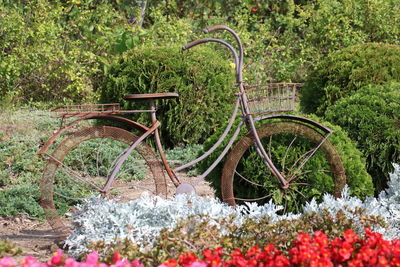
(222, 138)
(221, 156)
(238, 41)
(296, 118)
(123, 156)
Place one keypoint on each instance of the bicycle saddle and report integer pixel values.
(138, 97)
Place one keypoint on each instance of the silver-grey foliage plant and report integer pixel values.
(142, 219)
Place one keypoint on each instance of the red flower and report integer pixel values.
(187, 259)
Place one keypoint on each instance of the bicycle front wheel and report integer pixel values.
(79, 167)
(306, 159)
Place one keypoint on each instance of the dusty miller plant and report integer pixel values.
(142, 220)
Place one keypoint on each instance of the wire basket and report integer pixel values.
(271, 97)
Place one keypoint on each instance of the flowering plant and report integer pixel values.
(307, 250)
(315, 250)
(60, 260)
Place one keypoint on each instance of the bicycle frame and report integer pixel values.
(247, 119)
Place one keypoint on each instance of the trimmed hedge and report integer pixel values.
(202, 78)
(359, 181)
(348, 70)
(371, 116)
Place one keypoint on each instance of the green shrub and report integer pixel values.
(284, 40)
(371, 117)
(359, 181)
(346, 71)
(201, 77)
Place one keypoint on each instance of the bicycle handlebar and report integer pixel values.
(194, 43)
(235, 35)
(215, 28)
(235, 55)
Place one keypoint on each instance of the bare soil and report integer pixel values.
(36, 238)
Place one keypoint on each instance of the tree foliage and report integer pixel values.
(59, 50)
(52, 52)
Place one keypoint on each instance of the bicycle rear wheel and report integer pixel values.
(310, 170)
(80, 164)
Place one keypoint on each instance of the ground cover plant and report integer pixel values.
(21, 134)
(7, 248)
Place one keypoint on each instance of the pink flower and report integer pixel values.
(7, 262)
(92, 258)
(198, 264)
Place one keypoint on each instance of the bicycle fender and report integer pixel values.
(296, 118)
(128, 122)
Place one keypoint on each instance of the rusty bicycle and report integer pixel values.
(108, 159)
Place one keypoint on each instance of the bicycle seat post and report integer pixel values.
(153, 109)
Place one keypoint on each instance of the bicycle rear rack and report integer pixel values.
(68, 111)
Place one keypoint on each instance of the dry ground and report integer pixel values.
(36, 238)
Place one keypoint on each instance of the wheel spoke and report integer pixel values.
(294, 200)
(120, 173)
(247, 180)
(297, 161)
(253, 199)
(83, 165)
(286, 152)
(269, 147)
(67, 197)
(98, 157)
(73, 173)
(309, 156)
(300, 193)
(310, 171)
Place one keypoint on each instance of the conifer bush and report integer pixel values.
(346, 71)
(371, 117)
(202, 78)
